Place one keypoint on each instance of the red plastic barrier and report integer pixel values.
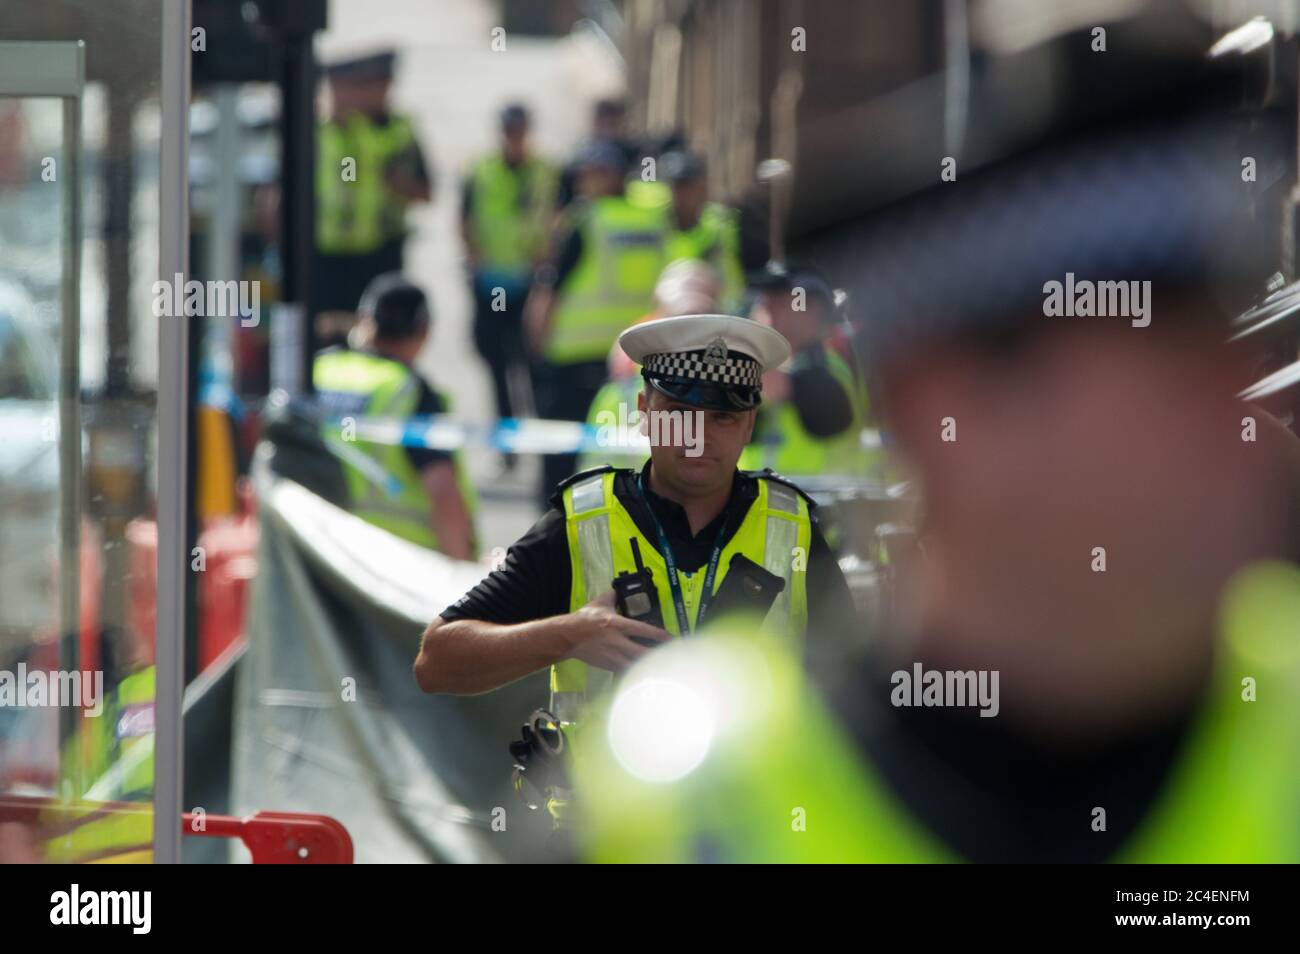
(229, 547)
(273, 838)
(142, 582)
(281, 838)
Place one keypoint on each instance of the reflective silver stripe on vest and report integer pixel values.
(597, 558)
(593, 536)
(567, 706)
(589, 494)
(778, 548)
(379, 498)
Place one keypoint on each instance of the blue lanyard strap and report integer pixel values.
(674, 584)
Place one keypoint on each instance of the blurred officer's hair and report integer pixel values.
(397, 307)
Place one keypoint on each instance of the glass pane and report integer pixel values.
(77, 553)
(30, 293)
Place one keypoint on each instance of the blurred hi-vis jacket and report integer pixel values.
(765, 774)
(509, 213)
(363, 384)
(113, 754)
(624, 248)
(357, 216)
(782, 443)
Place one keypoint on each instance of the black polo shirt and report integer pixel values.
(535, 579)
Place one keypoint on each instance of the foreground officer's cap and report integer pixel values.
(1136, 183)
(371, 67)
(714, 362)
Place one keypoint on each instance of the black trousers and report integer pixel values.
(498, 336)
(565, 393)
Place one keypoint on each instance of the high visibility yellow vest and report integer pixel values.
(775, 530)
(651, 194)
(356, 216)
(114, 756)
(715, 239)
(623, 252)
(605, 408)
(510, 210)
(391, 493)
(1231, 796)
(782, 443)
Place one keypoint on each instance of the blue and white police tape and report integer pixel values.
(511, 435)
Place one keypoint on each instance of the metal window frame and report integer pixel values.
(173, 433)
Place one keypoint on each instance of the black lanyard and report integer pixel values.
(674, 585)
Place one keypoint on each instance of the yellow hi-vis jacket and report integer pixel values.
(391, 494)
(1231, 795)
(114, 755)
(356, 216)
(509, 212)
(782, 443)
(715, 239)
(775, 530)
(624, 248)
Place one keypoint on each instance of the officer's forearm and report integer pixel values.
(537, 315)
(451, 521)
(453, 527)
(467, 656)
(467, 237)
(410, 188)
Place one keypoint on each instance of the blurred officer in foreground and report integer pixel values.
(813, 421)
(508, 202)
(717, 543)
(1100, 655)
(702, 229)
(602, 279)
(369, 170)
(417, 493)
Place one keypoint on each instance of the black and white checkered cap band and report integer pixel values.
(736, 370)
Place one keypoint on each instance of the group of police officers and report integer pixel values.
(560, 262)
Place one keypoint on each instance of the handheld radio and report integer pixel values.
(636, 597)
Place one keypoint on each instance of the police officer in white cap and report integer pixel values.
(696, 538)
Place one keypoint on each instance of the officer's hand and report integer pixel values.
(534, 325)
(600, 635)
(536, 315)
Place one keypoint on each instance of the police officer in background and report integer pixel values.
(369, 170)
(417, 493)
(601, 280)
(717, 541)
(608, 125)
(509, 199)
(813, 420)
(702, 229)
